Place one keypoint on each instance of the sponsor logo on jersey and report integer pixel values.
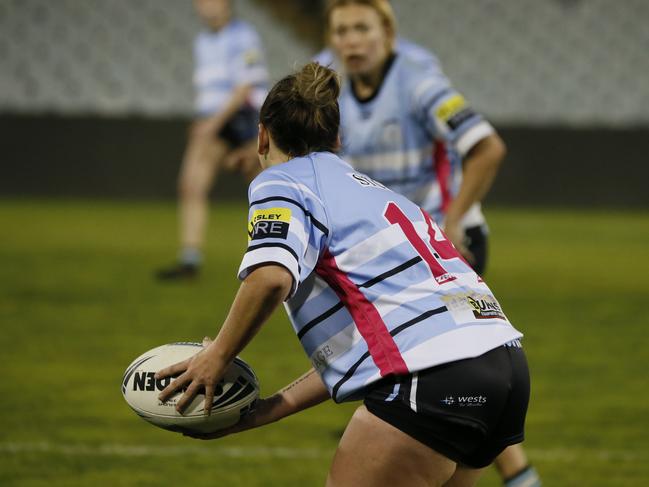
(252, 56)
(466, 307)
(459, 118)
(486, 308)
(450, 107)
(455, 111)
(320, 358)
(269, 223)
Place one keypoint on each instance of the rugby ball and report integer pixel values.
(235, 395)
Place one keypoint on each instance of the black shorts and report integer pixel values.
(241, 128)
(469, 410)
(476, 240)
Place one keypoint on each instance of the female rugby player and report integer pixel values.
(231, 81)
(383, 304)
(404, 125)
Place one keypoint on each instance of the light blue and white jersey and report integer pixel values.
(412, 135)
(224, 60)
(378, 289)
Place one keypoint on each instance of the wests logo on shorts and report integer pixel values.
(269, 223)
(486, 308)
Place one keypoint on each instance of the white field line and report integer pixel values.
(566, 455)
(163, 451)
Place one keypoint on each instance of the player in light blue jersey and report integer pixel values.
(404, 124)
(231, 83)
(384, 306)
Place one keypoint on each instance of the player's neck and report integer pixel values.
(218, 24)
(367, 85)
(275, 156)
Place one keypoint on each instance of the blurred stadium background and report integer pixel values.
(95, 97)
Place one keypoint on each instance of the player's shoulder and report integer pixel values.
(415, 68)
(243, 30)
(418, 63)
(203, 37)
(288, 178)
(417, 53)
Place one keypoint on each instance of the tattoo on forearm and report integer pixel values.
(296, 382)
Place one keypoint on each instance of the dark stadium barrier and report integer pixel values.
(139, 158)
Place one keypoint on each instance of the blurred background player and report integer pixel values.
(413, 152)
(231, 83)
(404, 124)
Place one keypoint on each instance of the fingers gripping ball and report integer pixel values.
(235, 395)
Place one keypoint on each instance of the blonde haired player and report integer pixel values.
(231, 83)
(384, 306)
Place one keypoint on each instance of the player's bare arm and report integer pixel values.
(480, 167)
(258, 296)
(304, 392)
(212, 125)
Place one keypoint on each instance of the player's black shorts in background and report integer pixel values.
(241, 128)
(477, 241)
(469, 410)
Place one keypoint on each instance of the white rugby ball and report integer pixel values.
(235, 395)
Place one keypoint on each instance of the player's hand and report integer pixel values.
(266, 411)
(203, 370)
(455, 233)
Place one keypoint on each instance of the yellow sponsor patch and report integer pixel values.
(450, 107)
(252, 56)
(270, 222)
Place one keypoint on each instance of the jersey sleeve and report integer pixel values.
(446, 113)
(286, 226)
(248, 65)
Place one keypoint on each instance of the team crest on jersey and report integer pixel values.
(391, 136)
(269, 223)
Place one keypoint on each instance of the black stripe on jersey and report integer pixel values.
(318, 319)
(417, 319)
(348, 375)
(276, 244)
(392, 272)
(315, 222)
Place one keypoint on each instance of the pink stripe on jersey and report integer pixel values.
(442, 166)
(380, 344)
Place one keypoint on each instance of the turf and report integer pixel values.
(78, 303)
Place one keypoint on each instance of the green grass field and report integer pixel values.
(78, 303)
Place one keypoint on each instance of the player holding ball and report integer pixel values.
(384, 306)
